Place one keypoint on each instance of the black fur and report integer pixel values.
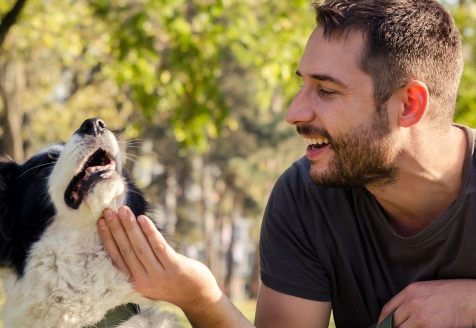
(26, 209)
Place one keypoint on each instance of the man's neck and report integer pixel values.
(429, 180)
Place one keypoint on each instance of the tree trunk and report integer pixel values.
(211, 251)
(12, 86)
(255, 279)
(9, 20)
(221, 215)
(230, 263)
(237, 209)
(171, 200)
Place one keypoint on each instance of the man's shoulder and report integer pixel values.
(469, 131)
(470, 143)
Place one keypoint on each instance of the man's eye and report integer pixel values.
(327, 94)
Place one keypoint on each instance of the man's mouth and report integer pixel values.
(97, 167)
(317, 143)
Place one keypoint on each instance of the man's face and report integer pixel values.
(350, 142)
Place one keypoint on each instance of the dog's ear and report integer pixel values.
(8, 172)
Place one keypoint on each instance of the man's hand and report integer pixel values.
(436, 304)
(139, 250)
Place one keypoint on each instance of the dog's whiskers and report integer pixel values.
(137, 144)
(119, 135)
(34, 168)
(133, 160)
(133, 155)
(137, 147)
(131, 141)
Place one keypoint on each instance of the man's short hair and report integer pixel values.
(405, 40)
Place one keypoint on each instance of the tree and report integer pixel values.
(466, 103)
(12, 115)
(9, 19)
(198, 81)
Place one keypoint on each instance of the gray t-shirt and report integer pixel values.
(334, 244)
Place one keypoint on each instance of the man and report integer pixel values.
(378, 217)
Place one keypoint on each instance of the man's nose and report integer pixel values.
(300, 110)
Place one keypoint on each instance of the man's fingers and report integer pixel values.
(139, 242)
(118, 231)
(111, 247)
(401, 317)
(393, 304)
(399, 304)
(162, 250)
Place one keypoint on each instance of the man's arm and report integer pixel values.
(158, 272)
(436, 304)
(278, 310)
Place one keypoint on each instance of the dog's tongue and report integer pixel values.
(94, 169)
(88, 172)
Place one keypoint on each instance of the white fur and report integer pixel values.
(69, 280)
(110, 194)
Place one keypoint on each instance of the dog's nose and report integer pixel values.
(93, 126)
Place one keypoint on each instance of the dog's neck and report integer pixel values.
(72, 226)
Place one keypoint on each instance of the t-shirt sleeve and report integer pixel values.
(288, 259)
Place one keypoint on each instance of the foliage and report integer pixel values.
(60, 48)
(169, 55)
(197, 81)
(465, 17)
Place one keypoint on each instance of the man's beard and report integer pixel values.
(365, 156)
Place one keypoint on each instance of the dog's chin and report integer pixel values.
(105, 189)
(101, 190)
(76, 192)
(97, 167)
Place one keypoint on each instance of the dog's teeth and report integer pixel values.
(94, 169)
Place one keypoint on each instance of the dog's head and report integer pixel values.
(69, 184)
(88, 176)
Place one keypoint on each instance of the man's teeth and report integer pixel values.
(318, 141)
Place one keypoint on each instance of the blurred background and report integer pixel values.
(196, 91)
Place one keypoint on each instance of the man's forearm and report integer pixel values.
(222, 313)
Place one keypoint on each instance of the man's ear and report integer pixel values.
(415, 97)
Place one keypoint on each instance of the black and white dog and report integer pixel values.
(55, 270)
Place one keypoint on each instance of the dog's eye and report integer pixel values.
(48, 163)
(53, 155)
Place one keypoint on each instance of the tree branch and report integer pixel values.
(9, 19)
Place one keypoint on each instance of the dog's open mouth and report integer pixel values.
(99, 166)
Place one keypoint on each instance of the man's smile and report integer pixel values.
(317, 143)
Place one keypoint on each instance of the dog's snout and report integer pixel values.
(92, 126)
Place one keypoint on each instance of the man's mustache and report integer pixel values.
(310, 130)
